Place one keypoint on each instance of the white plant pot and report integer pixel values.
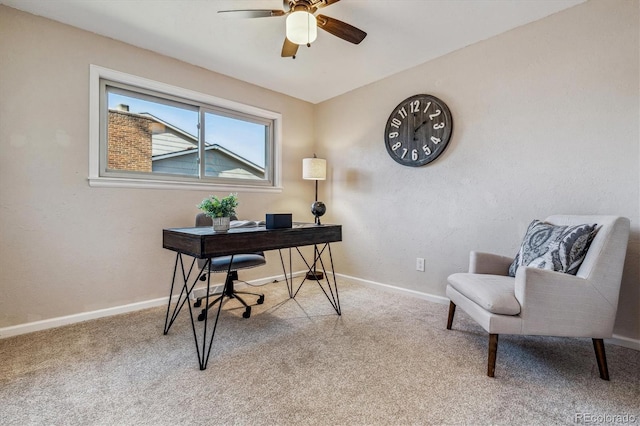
(221, 224)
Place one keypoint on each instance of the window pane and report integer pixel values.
(150, 135)
(234, 148)
(154, 135)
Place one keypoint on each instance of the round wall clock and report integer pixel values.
(418, 130)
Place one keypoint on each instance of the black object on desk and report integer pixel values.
(278, 220)
(203, 243)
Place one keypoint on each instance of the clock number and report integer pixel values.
(415, 106)
(435, 140)
(402, 112)
(396, 145)
(404, 152)
(426, 149)
(437, 113)
(414, 154)
(396, 123)
(438, 126)
(427, 107)
(393, 135)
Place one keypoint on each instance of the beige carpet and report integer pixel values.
(388, 360)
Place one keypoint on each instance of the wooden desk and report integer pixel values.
(203, 243)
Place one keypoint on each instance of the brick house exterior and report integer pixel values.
(130, 142)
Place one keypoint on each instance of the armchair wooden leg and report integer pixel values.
(601, 357)
(493, 351)
(452, 311)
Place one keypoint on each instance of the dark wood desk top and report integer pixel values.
(202, 242)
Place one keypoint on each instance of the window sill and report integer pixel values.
(110, 182)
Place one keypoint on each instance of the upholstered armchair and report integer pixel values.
(539, 301)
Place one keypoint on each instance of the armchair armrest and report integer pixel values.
(489, 263)
(558, 304)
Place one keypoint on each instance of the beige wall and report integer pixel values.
(546, 121)
(66, 247)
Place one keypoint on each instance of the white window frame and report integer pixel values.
(97, 73)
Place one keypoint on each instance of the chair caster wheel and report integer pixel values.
(202, 315)
(198, 303)
(203, 277)
(260, 300)
(247, 312)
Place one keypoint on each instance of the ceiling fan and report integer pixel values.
(302, 24)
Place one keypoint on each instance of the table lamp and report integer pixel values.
(315, 169)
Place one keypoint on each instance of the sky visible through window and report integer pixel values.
(243, 138)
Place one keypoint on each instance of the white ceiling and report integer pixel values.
(401, 35)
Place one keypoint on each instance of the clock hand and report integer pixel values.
(422, 124)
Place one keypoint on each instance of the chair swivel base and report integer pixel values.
(230, 293)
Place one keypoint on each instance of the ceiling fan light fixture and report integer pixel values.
(302, 27)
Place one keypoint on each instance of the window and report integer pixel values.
(148, 134)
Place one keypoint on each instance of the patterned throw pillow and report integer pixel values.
(558, 248)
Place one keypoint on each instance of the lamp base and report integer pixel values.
(314, 275)
(318, 208)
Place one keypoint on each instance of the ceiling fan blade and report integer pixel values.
(341, 29)
(325, 3)
(252, 13)
(289, 49)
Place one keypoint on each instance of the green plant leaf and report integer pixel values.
(215, 207)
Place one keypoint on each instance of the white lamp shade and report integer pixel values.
(302, 27)
(314, 169)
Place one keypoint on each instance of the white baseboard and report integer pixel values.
(624, 342)
(615, 340)
(116, 310)
(84, 316)
(399, 290)
(30, 327)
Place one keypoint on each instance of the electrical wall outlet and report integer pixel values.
(420, 264)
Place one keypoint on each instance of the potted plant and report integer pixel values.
(220, 210)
